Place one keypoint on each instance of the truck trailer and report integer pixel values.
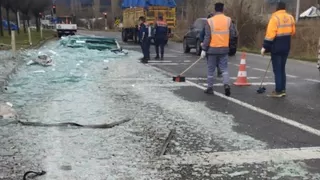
(151, 9)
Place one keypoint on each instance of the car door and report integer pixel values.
(188, 35)
(194, 32)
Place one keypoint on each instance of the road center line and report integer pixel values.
(258, 69)
(263, 70)
(176, 51)
(257, 109)
(312, 80)
(247, 157)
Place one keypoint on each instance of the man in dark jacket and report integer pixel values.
(161, 35)
(202, 34)
(145, 40)
(281, 28)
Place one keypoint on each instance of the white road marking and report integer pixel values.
(247, 157)
(204, 78)
(258, 69)
(168, 64)
(186, 61)
(164, 64)
(263, 70)
(313, 80)
(257, 109)
(167, 55)
(253, 84)
(158, 61)
(176, 51)
(195, 78)
(292, 76)
(249, 77)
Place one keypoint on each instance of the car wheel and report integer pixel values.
(186, 48)
(232, 52)
(198, 48)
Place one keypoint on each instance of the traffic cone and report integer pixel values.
(242, 73)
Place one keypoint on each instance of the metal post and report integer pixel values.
(319, 55)
(13, 43)
(41, 32)
(18, 15)
(297, 11)
(29, 34)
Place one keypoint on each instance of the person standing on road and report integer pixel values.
(277, 41)
(202, 33)
(216, 46)
(144, 39)
(161, 35)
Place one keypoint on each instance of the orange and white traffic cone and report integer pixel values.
(242, 73)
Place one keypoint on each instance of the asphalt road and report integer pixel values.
(245, 136)
(292, 122)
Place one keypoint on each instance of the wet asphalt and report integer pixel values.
(154, 104)
(301, 104)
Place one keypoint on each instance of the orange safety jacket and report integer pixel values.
(279, 31)
(220, 30)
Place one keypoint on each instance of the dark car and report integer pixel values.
(192, 38)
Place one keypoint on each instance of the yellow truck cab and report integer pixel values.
(151, 10)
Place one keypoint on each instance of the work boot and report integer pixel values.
(144, 61)
(276, 94)
(227, 90)
(209, 90)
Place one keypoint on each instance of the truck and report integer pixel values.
(150, 9)
(65, 26)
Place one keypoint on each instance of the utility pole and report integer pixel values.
(297, 11)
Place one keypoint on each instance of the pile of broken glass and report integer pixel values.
(92, 42)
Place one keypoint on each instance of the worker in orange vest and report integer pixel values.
(216, 47)
(277, 41)
(161, 35)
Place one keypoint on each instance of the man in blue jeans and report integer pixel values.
(277, 41)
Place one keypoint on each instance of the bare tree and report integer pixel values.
(38, 7)
(25, 7)
(15, 7)
(1, 25)
(7, 5)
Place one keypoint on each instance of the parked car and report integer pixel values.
(13, 26)
(192, 38)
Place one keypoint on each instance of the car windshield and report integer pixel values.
(199, 23)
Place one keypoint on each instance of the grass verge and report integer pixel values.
(257, 51)
(22, 39)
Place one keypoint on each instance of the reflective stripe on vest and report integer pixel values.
(284, 25)
(161, 24)
(220, 30)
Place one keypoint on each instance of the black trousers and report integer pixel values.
(160, 43)
(145, 47)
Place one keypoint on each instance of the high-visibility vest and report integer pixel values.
(220, 30)
(283, 23)
(161, 24)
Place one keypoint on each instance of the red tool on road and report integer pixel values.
(181, 78)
